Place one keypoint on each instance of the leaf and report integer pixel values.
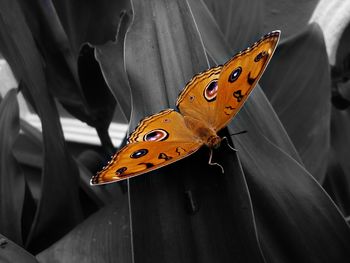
(301, 95)
(10, 252)
(97, 94)
(173, 234)
(12, 182)
(258, 115)
(28, 151)
(60, 176)
(277, 183)
(339, 168)
(194, 213)
(101, 195)
(103, 237)
(289, 17)
(171, 62)
(94, 22)
(240, 21)
(296, 220)
(273, 193)
(210, 31)
(111, 59)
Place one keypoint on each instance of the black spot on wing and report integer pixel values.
(238, 95)
(164, 157)
(250, 80)
(148, 165)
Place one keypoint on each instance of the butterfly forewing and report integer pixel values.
(240, 75)
(167, 125)
(198, 99)
(216, 95)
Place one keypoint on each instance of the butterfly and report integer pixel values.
(207, 104)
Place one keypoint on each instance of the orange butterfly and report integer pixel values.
(206, 105)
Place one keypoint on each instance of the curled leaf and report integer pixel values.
(12, 182)
(298, 84)
(111, 59)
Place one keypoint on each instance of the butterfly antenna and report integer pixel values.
(233, 134)
(236, 133)
(228, 144)
(210, 163)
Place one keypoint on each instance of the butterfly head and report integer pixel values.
(213, 142)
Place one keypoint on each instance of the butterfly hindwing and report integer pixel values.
(158, 140)
(141, 157)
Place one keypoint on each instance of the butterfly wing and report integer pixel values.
(142, 157)
(240, 75)
(158, 140)
(167, 125)
(216, 95)
(198, 99)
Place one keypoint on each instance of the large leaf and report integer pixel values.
(296, 220)
(211, 32)
(28, 150)
(338, 177)
(241, 21)
(176, 235)
(194, 213)
(10, 252)
(271, 192)
(301, 95)
(60, 175)
(103, 237)
(288, 16)
(170, 45)
(12, 183)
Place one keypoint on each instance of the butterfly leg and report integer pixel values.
(210, 163)
(233, 149)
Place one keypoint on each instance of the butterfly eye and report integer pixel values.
(120, 171)
(139, 153)
(235, 74)
(211, 90)
(156, 135)
(260, 56)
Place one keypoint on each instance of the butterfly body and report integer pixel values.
(208, 103)
(205, 134)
